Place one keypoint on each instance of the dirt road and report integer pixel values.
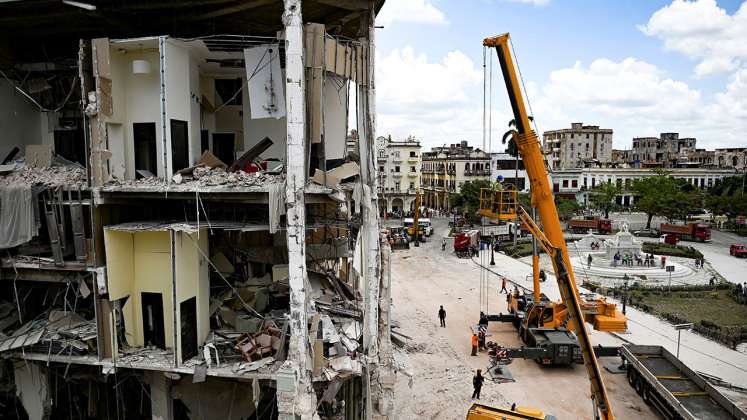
(424, 278)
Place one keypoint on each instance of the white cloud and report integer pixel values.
(413, 11)
(441, 101)
(436, 101)
(534, 2)
(702, 30)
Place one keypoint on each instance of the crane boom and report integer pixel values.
(552, 237)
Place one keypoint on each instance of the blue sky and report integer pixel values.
(638, 67)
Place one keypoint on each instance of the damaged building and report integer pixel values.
(185, 230)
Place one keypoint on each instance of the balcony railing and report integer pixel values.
(413, 174)
(412, 159)
(397, 174)
(381, 158)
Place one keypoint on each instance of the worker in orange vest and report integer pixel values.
(474, 344)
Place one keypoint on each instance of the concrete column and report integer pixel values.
(162, 408)
(297, 402)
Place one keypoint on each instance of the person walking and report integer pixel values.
(503, 285)
(481, 340)
(477, 381)
(589, 260)
(475, 343)
(442, 316)
(663, 261)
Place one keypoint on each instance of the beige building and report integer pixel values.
(733, 157)
(399, 173)
(446, 168)
(578, 146)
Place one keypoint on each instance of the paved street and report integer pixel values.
(425, 277)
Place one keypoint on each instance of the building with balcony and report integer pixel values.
(179, 212)
(399, 167)
(444, 170)
(578, 146)
(576, 183)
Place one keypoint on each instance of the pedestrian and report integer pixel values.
(702, 261)
(481, 340)
(744, 288)
(588, 260)
(503, 285)
(543, 276)
(477, 381)
(443, 244)
(663, 261)
(474, 344)
(442, 316)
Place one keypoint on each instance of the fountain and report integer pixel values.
(623, 243)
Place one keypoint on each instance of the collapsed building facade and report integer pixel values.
(184, 233)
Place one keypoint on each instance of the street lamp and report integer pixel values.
(679, 328)
(492, 249)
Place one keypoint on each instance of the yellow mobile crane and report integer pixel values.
(551, 236)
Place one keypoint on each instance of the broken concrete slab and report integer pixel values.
(336, 175)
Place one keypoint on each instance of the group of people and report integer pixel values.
(699, 262)
(741, 289)
(478, 344)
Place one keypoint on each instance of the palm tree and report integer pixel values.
(513, 150)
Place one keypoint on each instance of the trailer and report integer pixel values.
(672, 388)
(690, 232)
(601, 226)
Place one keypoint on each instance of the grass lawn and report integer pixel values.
(715, 306)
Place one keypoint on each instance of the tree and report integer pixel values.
(603, 197)
(662, 195)
(566, 208)
(468, 198)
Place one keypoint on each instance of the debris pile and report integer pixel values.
(60, 332)
(202, 177)
(70, 177)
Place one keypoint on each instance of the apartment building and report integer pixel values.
(399, 173)
(444, 169)
(180, 216)
(578, 146)
(665, 151)
(504, 166)
(576, 183)
(732, 157)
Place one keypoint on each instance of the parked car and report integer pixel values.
(738, 250)
(648, 233)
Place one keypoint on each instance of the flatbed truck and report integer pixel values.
(672, 388)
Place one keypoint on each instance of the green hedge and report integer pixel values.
(671, 250)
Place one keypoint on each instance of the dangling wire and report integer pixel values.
(490, 107)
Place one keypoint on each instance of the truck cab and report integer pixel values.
(702, 232)
(738, 250)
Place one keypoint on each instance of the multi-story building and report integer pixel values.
(166, 253)
(576, 183)
(399, 173)
(733, 157)
(620, 158)
(578, 146)
(665, 151)
(446, 168)
(505, 166)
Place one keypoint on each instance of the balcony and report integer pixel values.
(381, 158)
(413, 159)
(397, 174)
(451, 172)
(396, 159)
(412, 174)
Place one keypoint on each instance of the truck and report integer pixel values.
(601, 226)
(467, 243)
(672, 388)
(689, 232)
(486, 412)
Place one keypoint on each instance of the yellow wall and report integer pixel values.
(141, 262)
(192, 279)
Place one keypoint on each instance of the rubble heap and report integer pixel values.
(203, 176)
(71, 177)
